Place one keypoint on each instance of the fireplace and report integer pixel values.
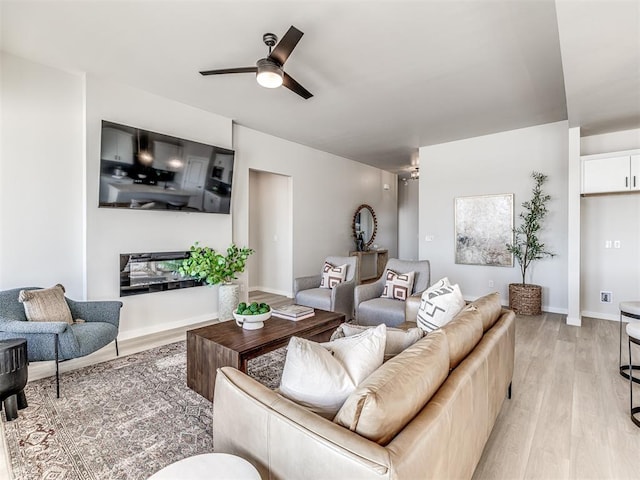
(153, 272)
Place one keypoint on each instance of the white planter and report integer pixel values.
(228, 299)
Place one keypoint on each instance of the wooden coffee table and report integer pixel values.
(226, 344)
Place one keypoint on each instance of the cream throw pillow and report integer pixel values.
(439, 304)
(399, 286)
(333, 275)
(321, 376)
(46, 305)
(397, 338)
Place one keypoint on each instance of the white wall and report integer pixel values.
(408, 217)
(270, 232)
(610, 217)
(41, 177)
(111, 232)
(327, 189)
(53, 231)
(494, 164)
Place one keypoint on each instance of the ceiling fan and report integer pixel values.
(268, 70)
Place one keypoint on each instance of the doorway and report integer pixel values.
(271, 232)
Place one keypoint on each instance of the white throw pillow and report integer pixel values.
(320, 377)
(398, 339)
(439, 305)
(333, 275)
(398, 286)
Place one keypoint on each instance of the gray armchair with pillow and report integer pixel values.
(310, 292)
(74, 329)
(373, 309)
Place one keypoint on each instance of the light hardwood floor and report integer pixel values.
(568, 417)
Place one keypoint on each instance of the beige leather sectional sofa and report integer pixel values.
(424, 414)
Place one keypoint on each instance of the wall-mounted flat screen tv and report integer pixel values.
(145, 170)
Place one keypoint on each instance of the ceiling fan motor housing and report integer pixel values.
(270, 39)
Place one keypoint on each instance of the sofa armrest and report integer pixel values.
(96, 311)
(20, 327)
(284, 440)
(411, 308)
(305, 283)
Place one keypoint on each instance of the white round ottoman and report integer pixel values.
(213, 466)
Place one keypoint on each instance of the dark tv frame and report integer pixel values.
(145, 170)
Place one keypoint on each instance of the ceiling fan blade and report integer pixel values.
(230, 70)
(286, 45)
(295, 87)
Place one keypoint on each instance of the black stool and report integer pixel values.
(633, 331)
(13, 376)
(630, 310)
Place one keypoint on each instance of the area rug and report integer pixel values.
(122, 419)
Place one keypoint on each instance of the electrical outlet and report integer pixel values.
(616, 244)
(606, 297)
(490, 283)
(607, 244)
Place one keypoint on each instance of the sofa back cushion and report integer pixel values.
(489, 307)
(463, 334)
(392, 395)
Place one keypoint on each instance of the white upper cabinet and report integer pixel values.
(167, 156)
(610, 173)
(117, 145)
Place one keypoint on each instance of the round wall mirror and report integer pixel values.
(365, 226)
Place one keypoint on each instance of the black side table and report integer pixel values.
(13, 376)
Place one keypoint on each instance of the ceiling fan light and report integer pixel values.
(269, 75)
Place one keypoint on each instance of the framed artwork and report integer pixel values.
(483, 227)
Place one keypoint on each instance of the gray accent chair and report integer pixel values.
(373, 310)
(339, 299)
(58, 340)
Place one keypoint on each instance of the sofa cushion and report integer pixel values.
(439, 304)
(489, 308)
(321, 377)
(398, 286)
(463, 334)
(392, 395)
(46, 305)
(398, 339)
(333, 275)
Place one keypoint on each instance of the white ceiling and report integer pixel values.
(387, 76)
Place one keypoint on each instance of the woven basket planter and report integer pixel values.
(525, 299)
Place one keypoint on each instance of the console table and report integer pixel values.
(370, 264)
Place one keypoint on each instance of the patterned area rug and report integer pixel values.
(122, 419)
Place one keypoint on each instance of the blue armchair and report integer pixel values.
(59, 340)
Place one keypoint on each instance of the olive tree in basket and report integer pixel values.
(526, 298)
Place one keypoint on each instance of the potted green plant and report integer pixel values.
(216, 268)
(524, 298)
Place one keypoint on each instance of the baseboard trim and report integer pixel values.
(272, 291)
(186, 322)
(601, 316)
